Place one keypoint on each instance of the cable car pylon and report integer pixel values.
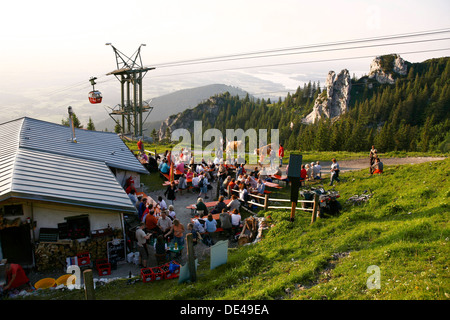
(130, 73)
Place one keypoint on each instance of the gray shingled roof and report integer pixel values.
(39, 162)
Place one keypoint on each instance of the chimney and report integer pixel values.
(74, 139)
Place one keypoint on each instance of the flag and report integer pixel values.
(169, 158)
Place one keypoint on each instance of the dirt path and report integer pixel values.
(358, 164)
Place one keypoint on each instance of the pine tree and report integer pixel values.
(76, 122)
(90, 125)
(154, 135)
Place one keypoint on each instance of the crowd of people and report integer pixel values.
(235, 182)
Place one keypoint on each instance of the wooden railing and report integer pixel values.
(266, 206)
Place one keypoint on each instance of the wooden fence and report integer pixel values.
(266, 205)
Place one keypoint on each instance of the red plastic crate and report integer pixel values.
(165, 269)
(168, 274)
(177, 271)
(103, 267)
(84, 259)
(147, 275)
(158, 273)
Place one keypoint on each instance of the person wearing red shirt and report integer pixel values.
(281, 154)
(303, 173)
(151, 222)
(15, 277)
(140, 145)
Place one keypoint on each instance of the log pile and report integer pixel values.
(51, 256)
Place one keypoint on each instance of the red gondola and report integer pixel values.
(95, 96)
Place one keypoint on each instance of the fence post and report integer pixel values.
(293, 206)
(315, 208)
(266, 201)
(191, 258)
(89, 284)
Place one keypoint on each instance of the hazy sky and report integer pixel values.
(50, 49)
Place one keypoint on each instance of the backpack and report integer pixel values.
(200, 183)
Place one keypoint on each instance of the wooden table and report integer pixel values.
(211, 204)
(272, 185)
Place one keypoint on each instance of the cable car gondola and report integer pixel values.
(95, 96)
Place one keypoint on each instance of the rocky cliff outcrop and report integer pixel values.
(334, 101)
(386, 68)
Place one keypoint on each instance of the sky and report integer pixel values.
(50, 49)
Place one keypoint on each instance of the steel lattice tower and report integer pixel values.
(130, 73)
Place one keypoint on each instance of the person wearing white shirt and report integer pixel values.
(195, 181)
(162, 204)
(235, 218)
(334, 171)
(318, 169)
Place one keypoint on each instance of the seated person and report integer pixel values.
(201, 208)
(162, 204)
(195, 180)
(164, 167)
(309, 172)
(377, 166)
(260, 187)
(234, 204)
(225, 222)
(235, 219)
(219, 206)
(152, 163)
(303, 173)
(243, 193)
(198, 226)
(231, 186)
(316, 170)
(172, 214)
(143, 157)
(210, 224)
(182, 184)
(15, 278)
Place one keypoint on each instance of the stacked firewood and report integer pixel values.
(52, 255)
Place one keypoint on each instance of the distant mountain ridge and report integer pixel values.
(176, 102)
(398, 106)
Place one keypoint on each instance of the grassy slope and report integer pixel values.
(403, 229)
